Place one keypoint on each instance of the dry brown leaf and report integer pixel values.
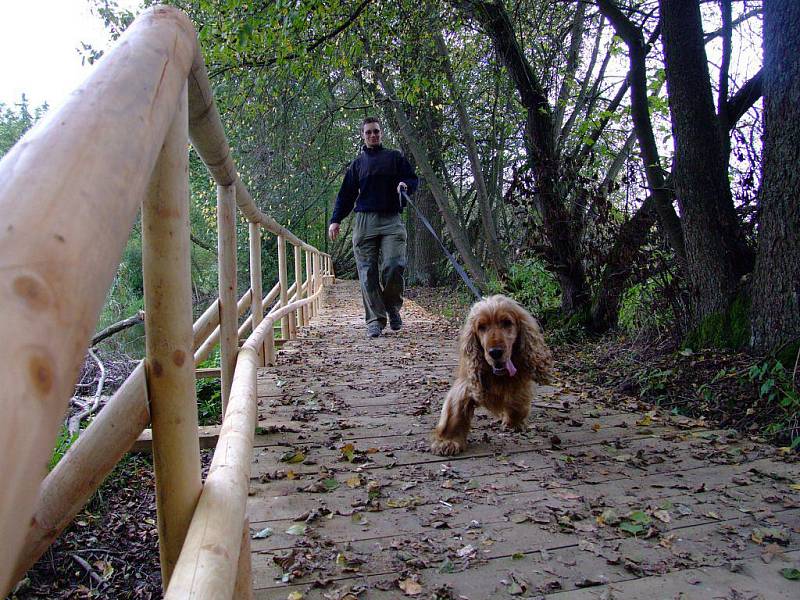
(410, 587)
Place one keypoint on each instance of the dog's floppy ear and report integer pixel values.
(470, 346)
(530, 351)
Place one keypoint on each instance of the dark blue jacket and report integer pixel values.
(370, 183)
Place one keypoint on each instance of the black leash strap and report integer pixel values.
(404, 199)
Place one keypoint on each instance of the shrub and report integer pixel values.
(532, 285)
(777, 389)
(642, 308)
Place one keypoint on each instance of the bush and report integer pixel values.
(533, 286)
(642, 308)
(782, 397)
(209, 402)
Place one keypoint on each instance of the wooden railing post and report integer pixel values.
(317, 282)
(291, 316)
(256, 285)
(228, 315)
(169, 366)
(282, 277)
(298, 277)
(309, 285)
(269, 347)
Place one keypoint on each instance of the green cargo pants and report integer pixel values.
(379, 246)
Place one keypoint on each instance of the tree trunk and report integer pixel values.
(716, 252)
(776, 281)
(642, 124)
(619, 265)
(424, 269)
(458, 236)
(487, 218)
(564, 254)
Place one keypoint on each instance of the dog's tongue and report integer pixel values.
(509, 368)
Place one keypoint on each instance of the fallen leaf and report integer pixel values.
(298, 529)
(264, 533)
(292, 457)
(355, 481)
(359, 519)
(330, 484)
(410, 587)
(608, 517)
(467, 550)
(770, 552)
(520, 518)
(662, 516)
(791, 573)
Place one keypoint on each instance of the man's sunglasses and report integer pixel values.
(372, 131)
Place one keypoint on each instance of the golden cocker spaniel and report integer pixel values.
(502, 357)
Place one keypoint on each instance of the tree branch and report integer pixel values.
(743, 100)
(117, 327)
(313, 46)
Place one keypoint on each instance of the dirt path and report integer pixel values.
(594, 501)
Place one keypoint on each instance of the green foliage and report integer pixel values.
(730, 329)
(654, 383)
(640, 309)
(778, 391)
(63, 442)
(532, 285)
(209, 394)
(15, 121)
(209, 401)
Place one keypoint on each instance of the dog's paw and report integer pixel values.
(447, 447)
(519, 426)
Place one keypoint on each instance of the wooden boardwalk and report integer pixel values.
(594, 501)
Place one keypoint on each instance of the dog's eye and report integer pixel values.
(482, 327)
(507, 323)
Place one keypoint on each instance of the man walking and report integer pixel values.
(372, 184)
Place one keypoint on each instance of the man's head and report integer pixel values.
(371, 132)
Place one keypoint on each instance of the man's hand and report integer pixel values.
(401, 187)
(333, 231)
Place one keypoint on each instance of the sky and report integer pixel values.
(38, 47)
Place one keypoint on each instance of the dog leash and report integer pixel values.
(404, 199)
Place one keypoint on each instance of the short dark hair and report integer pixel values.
(368, 120)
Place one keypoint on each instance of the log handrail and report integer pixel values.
(69, 193)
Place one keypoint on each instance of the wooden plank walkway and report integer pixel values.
(594, 501)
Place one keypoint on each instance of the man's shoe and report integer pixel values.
(395, 322)
(374, 330)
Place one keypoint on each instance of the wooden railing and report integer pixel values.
(70, 191)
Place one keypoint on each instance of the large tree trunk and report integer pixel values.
(776, 281)
(425, 255)
(716, 252)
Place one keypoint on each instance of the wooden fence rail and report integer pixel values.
(69, 193)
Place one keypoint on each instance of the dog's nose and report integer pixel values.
(496, 353)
